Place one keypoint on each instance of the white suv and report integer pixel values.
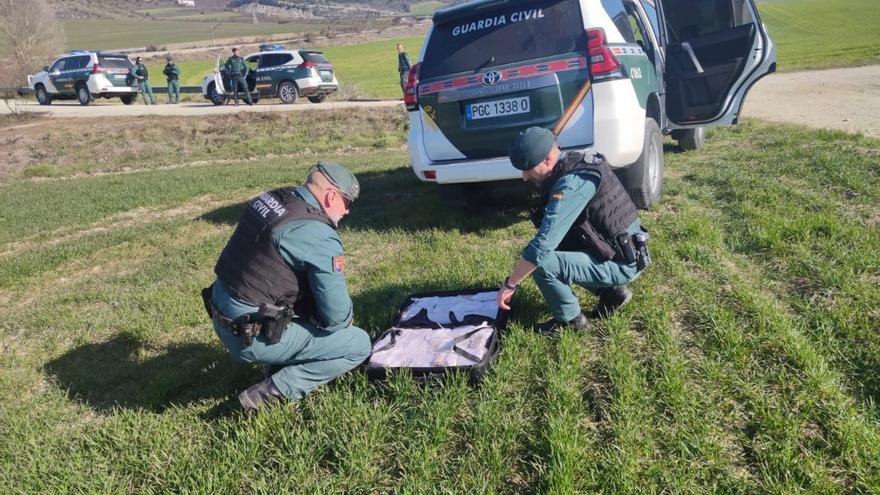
(85, 75)
(610, 76)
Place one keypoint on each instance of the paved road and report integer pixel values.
(192, 109)
(843, 99)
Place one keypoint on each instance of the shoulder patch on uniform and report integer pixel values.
(557, 196)
(339, 264)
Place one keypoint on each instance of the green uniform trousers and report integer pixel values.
(147, 91)
(240, 82)
(310, 357)
(561, 269)
(174, 91)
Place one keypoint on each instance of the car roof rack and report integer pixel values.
(79, 52)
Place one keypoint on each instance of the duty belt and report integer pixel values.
(270, 321)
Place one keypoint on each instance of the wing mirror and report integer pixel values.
(46, 68)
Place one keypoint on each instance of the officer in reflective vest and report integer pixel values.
(280, 296)
(589, 232)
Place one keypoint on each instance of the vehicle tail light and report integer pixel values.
(430, 174)
(603, 63)
(308, 65)
(410, 94)
(96, 69)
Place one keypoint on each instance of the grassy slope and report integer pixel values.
(745, 364)
(425, 8)
(819, 33)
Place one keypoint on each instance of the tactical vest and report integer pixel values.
(602, 225)
(252, 268)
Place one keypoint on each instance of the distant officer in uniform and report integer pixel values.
(589, 232)
(172, 74)
(237, 69)
(142, 76)
(403, 66)
(280, 296)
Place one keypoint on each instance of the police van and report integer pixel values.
(274, 72)
(85, 75)
(609, 76)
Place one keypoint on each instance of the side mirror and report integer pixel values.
(46, 68)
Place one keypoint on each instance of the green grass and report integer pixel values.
(814, 34)
(372, 67)
(192, 72)
(425, 8)
(746, 363)
(113, 34)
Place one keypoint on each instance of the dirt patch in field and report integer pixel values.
(840, 99)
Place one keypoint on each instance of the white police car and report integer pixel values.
(85, 75)
(276, 72)
(612, 76)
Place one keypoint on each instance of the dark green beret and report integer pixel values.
(531, 147)
(341, 177)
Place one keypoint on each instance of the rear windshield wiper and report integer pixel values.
(489, 61)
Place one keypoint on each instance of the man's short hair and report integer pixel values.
(235, 49)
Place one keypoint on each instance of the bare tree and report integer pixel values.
(33, 36)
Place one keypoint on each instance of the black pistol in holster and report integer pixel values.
(269, 320)
(640, 241)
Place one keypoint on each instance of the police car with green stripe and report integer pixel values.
(277, 73)
(609, 76)
(85, 75)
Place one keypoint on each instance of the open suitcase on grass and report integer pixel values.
(437, 332)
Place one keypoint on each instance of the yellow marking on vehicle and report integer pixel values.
(578, 99)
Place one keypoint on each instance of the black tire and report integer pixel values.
(288, 93)
(690, 139)
(317, 98)
(43, 96)
(255, 99)
(644, 178)
(215, 97)
(127, 99)
(83, 94)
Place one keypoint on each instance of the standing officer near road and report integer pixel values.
(172, 73)
(280, 296)
(588, 231)
(143, 79)
(237, 69)
(403, 66)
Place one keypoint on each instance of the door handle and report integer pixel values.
(690, 51)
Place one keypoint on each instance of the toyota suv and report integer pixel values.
(608, 76)
(85, 75)
(276, 72)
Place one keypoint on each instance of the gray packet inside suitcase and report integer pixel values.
(439, 331)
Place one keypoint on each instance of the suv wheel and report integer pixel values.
(127, 99)
(644, 178)
(83, 94)
(690, 139)
(287, 92)
(317, 98)
(43, 97)
(215, 97)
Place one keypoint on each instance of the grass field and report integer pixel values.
(817, 33)
(746, 363)
(110, 34)
(425, 8)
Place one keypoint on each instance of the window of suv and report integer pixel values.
(114, 62)
(314, 57)
(274, 59)
(687, 19)
(638, 30)
(80, 62)
(60, 64)
(499, 36)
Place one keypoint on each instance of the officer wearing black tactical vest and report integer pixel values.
(588, 231)
(280, 296)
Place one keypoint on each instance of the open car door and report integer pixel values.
(716, 51)
(218, 77)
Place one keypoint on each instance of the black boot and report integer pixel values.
(610, 300)
(259, 395)
(579, 322)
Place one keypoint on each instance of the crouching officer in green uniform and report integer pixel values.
(237, 69)
(142, 76)
(172, 74)
(589, 232)
(280, 296)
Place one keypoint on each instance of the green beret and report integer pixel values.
(340, 177)
(531, 147)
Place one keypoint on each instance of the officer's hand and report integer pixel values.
(504, 296)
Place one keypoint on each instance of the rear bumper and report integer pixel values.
(322, 89)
